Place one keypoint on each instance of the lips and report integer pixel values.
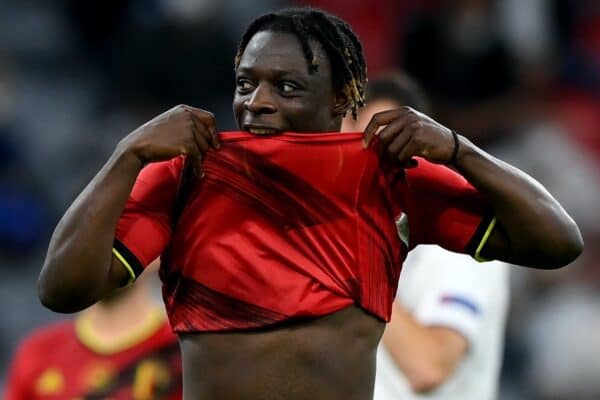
(261, 130)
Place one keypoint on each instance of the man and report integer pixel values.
(444, 340)
(120, 348)
(281, 261)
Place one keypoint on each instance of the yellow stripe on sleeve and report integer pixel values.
(484, 240)
(126, 265)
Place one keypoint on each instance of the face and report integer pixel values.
(275, 92)
(366, 113)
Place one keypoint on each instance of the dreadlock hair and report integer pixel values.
(349, 70)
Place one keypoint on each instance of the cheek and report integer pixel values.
(317, 104)
(238, 107)
(305, 112)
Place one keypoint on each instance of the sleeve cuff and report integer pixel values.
(461, 312)
(477, 256)
(129, 261)
(480, 238)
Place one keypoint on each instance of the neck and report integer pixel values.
(113, 324)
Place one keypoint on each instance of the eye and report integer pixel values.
(244, 85)
(287, 87)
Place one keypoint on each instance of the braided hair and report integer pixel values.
(349, 70)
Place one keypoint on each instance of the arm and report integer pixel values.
(427, 355)
(532, 228)
(79, 268)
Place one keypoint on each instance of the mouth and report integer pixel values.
(261, 130)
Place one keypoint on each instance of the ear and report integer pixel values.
(341, 104)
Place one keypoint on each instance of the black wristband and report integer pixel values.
(455, 152)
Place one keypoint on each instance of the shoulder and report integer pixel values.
(157, 182)
(162, 170)
(430, 174)
(40, 340)
(47, 334)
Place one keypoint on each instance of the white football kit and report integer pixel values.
(440, 288)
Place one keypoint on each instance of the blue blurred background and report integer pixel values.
(519, 77)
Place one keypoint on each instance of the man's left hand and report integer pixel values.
(405, 133)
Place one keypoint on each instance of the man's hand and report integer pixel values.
(405, 133)
(182, 130)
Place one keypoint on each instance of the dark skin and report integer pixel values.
(332, 357)
(274, 89)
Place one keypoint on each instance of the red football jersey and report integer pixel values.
(65, 362)
(288, 226)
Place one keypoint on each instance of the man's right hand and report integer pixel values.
(182, 130)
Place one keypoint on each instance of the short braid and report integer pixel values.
(354, 89)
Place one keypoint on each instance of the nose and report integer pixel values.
(261, 101)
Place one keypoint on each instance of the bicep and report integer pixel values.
(118, 277)
(497, 246)
(119, 274)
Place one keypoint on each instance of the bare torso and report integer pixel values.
(332, 357)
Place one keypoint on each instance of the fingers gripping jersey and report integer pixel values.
(280, 227)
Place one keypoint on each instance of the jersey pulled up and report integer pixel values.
(289, 227)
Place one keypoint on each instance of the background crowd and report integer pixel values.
(521, 78)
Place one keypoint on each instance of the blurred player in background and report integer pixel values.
(121, 348)
(444, 340)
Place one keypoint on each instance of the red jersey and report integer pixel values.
(287, 227)
(65, 362)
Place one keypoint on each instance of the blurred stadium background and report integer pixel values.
(519, 77)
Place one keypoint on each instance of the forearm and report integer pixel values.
(427, 356)
(535, 229)
(76, 271)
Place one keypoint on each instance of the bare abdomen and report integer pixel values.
(332, 357)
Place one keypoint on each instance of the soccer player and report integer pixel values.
(444, 340)
(279, 247)
(120, 348)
